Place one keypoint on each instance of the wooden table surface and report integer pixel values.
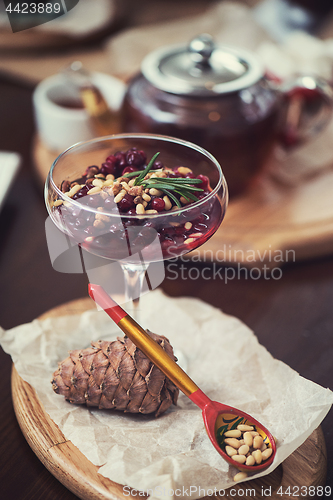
(292, 316)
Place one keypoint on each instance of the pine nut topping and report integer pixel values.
(188, 226)
(155, 192)
(140, 209)
(189, 240)
(167, 202)
(57, 203)
(73, 190)
(120, 196)
(95, 189)
(98, 182)
(184, 170)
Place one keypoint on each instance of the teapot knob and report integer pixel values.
(201, 48)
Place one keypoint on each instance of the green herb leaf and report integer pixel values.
(143, 174)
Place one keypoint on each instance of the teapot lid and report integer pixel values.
(201, 68)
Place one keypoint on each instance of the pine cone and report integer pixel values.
(116, 375)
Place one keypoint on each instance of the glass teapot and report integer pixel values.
(221, 99)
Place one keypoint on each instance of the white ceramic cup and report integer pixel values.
(60, 126)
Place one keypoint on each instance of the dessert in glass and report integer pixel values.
(136, 199)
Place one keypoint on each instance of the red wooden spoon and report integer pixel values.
(218, 418)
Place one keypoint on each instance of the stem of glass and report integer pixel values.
(134, 278)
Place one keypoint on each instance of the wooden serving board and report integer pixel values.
(304, 468)
(271, 224)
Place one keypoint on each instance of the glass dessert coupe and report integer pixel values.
(81, 199)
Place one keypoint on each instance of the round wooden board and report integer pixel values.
(304, 468)
(271, 224)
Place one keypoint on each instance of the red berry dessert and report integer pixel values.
(118, 208)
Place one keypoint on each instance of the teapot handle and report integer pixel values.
(309, 106)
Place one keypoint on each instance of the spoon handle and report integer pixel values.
(144, 342)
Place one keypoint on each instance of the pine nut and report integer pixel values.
(257, 442)
(230, 451)
(73, 190)
(232, 442)
(98, 182)
(266, 453)
(188, 226)
(57, 203)
(257, 455)
(189, 240)
(104, 195)
(241, 459)
(248, 438)
(102, 217)
(108, 182)
(184, 170)
(152, 211)
(155, 192)
(175, 224)
(167, 202)
(146, 197)
(243, 427)
(95, 189)
(110, 177)
(125, 186)
(184, 201)
(250, 460)
(246, 442)
(140, 209)
(144, 203)
(120, 196)
(233, 433)
(243, 450)
(99, 224)
(239, 476)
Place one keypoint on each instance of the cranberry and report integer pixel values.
(109, 202)
(204, 181)
(136, 157)
(83, 191)
(190, 175)
(158, 164)
(131, 211)
(121, 159)
(126, 203)
(94, 200)
(109, 168)
(157, 204)
(129, 170)
(111, 159)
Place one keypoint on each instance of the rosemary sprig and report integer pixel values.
(168, 185)
(143, 174)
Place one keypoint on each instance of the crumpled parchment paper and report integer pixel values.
(222, 356)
